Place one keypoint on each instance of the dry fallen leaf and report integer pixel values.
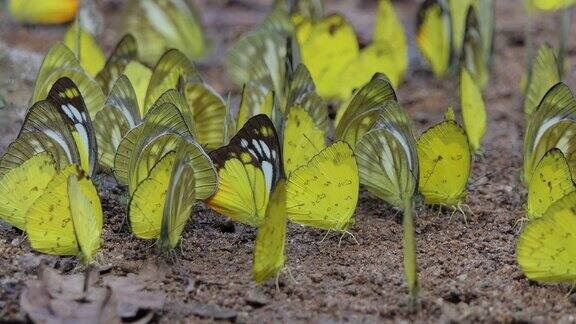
(56, 298)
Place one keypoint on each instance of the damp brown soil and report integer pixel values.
(467, 271)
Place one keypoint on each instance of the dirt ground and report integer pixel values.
(468, 273)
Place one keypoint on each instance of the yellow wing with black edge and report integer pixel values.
(20, 187)
(362, 112)
(458, 11)
(551, 181)
(179, 101)
(302, 139)
(473, 110)
(324, 192)
(433, 35)
(125, 51)
(545, 250)
(86, 212)
(90, 54)
(28, 145)
(115, 120)
(66, 97)
(50, 223)
(544, 75)
(248, 168)
(271, 237)
(59, 63)
(445, 162)
(552, 125)
(172, 70)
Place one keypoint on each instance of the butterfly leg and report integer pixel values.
(290, 275)
(325, 236)
(520, 222)
(463, 214)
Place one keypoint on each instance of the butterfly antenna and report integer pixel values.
(290, 275)
(325, 236)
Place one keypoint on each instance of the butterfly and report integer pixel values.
(164, 25)
(551, 126)
(360, 114)
(85, 48)
(66, 219)
(445, 162)
(59, 124)
(545, 247)
(143, 146)
(545, 74)
(61, 62)
(475, 55)
(43, 12)
(329, 48)
(323, 193)
(550, 5)
(550, 181)
(162, 203)
(125, 51)
(20, 187)
(388, 168)
(119, 115)
(433, 35)
(248, 169)
(269, 247)
(473, 110)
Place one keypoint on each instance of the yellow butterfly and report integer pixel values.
(361, 113)
(458, 12)
(63, 118)
(162, 25)
(248, 169)
(551, 126)
(445, 162)
(61, 62)
(43, 11)
(550, 181)
(323, 193)
(545, 250)
(544, 74)
(20, 187)
(86, 49)
(550, 5)
(270, 242)
(433, 35)
(162, 203)
(67, 218)
(329, 48)
(125, 51)
(473, 110)
(119, 115)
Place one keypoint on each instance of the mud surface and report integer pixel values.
(468, 272)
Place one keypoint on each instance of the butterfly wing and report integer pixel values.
(90, 54)
(551, 181)
(302, 139)
(209, 111)
(324, 192)
(20, 187)
(125, 51)
(444, 159)
(433, 35)
(271, 237)
(545, 250)
(86, 212)
(248, 168)
(49, 223)
(473, 110)
(544, 75)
